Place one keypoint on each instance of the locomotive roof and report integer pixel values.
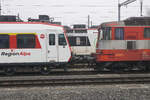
(28, 25)
(112, 24)
(132, 21)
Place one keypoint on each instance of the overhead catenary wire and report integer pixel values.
(22, 8)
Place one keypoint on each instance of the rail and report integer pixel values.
(75, 79)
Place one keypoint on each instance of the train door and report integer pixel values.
(63, 51)
(52, 48)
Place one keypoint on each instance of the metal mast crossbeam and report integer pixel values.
(123, 4)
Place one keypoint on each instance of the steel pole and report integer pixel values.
(119, 7)
(88, 21)
(0, 7)
(141, 8)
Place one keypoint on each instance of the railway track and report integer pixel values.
(75, 79)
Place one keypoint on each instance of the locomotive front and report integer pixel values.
(124, 44)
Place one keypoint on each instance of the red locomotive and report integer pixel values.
(124, 44)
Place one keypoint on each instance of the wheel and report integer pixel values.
(45, 70)
(9, 71)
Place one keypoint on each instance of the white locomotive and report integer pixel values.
(38, 45)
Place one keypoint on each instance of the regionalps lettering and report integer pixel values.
(25, 53)
(9, 54)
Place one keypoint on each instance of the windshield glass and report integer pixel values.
(105, 33)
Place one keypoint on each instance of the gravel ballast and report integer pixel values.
(83, 92)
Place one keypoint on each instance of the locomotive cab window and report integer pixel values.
(25, 41)
(147, 33)
(84, 41)
(61, 39)
(119, 34)
(106, 33)
(100, 34)
(51, 39)
(4, 41)
(79, 41)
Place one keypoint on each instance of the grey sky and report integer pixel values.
(73, 11)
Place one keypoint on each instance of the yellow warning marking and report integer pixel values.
(18, 33)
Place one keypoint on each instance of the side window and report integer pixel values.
(25, 41)
(77, 41)
(87, 42)
(61, 39)
(147, 33)
(51, 39)
(107, 33)
(4, 41)
(119, 34)
(84, 41)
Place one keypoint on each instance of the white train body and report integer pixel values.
(83, 44)
(77, 47)
(33, 43)
(93, 35)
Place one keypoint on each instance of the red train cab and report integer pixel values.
(124, 41)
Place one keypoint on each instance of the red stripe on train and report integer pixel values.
(13, 42)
